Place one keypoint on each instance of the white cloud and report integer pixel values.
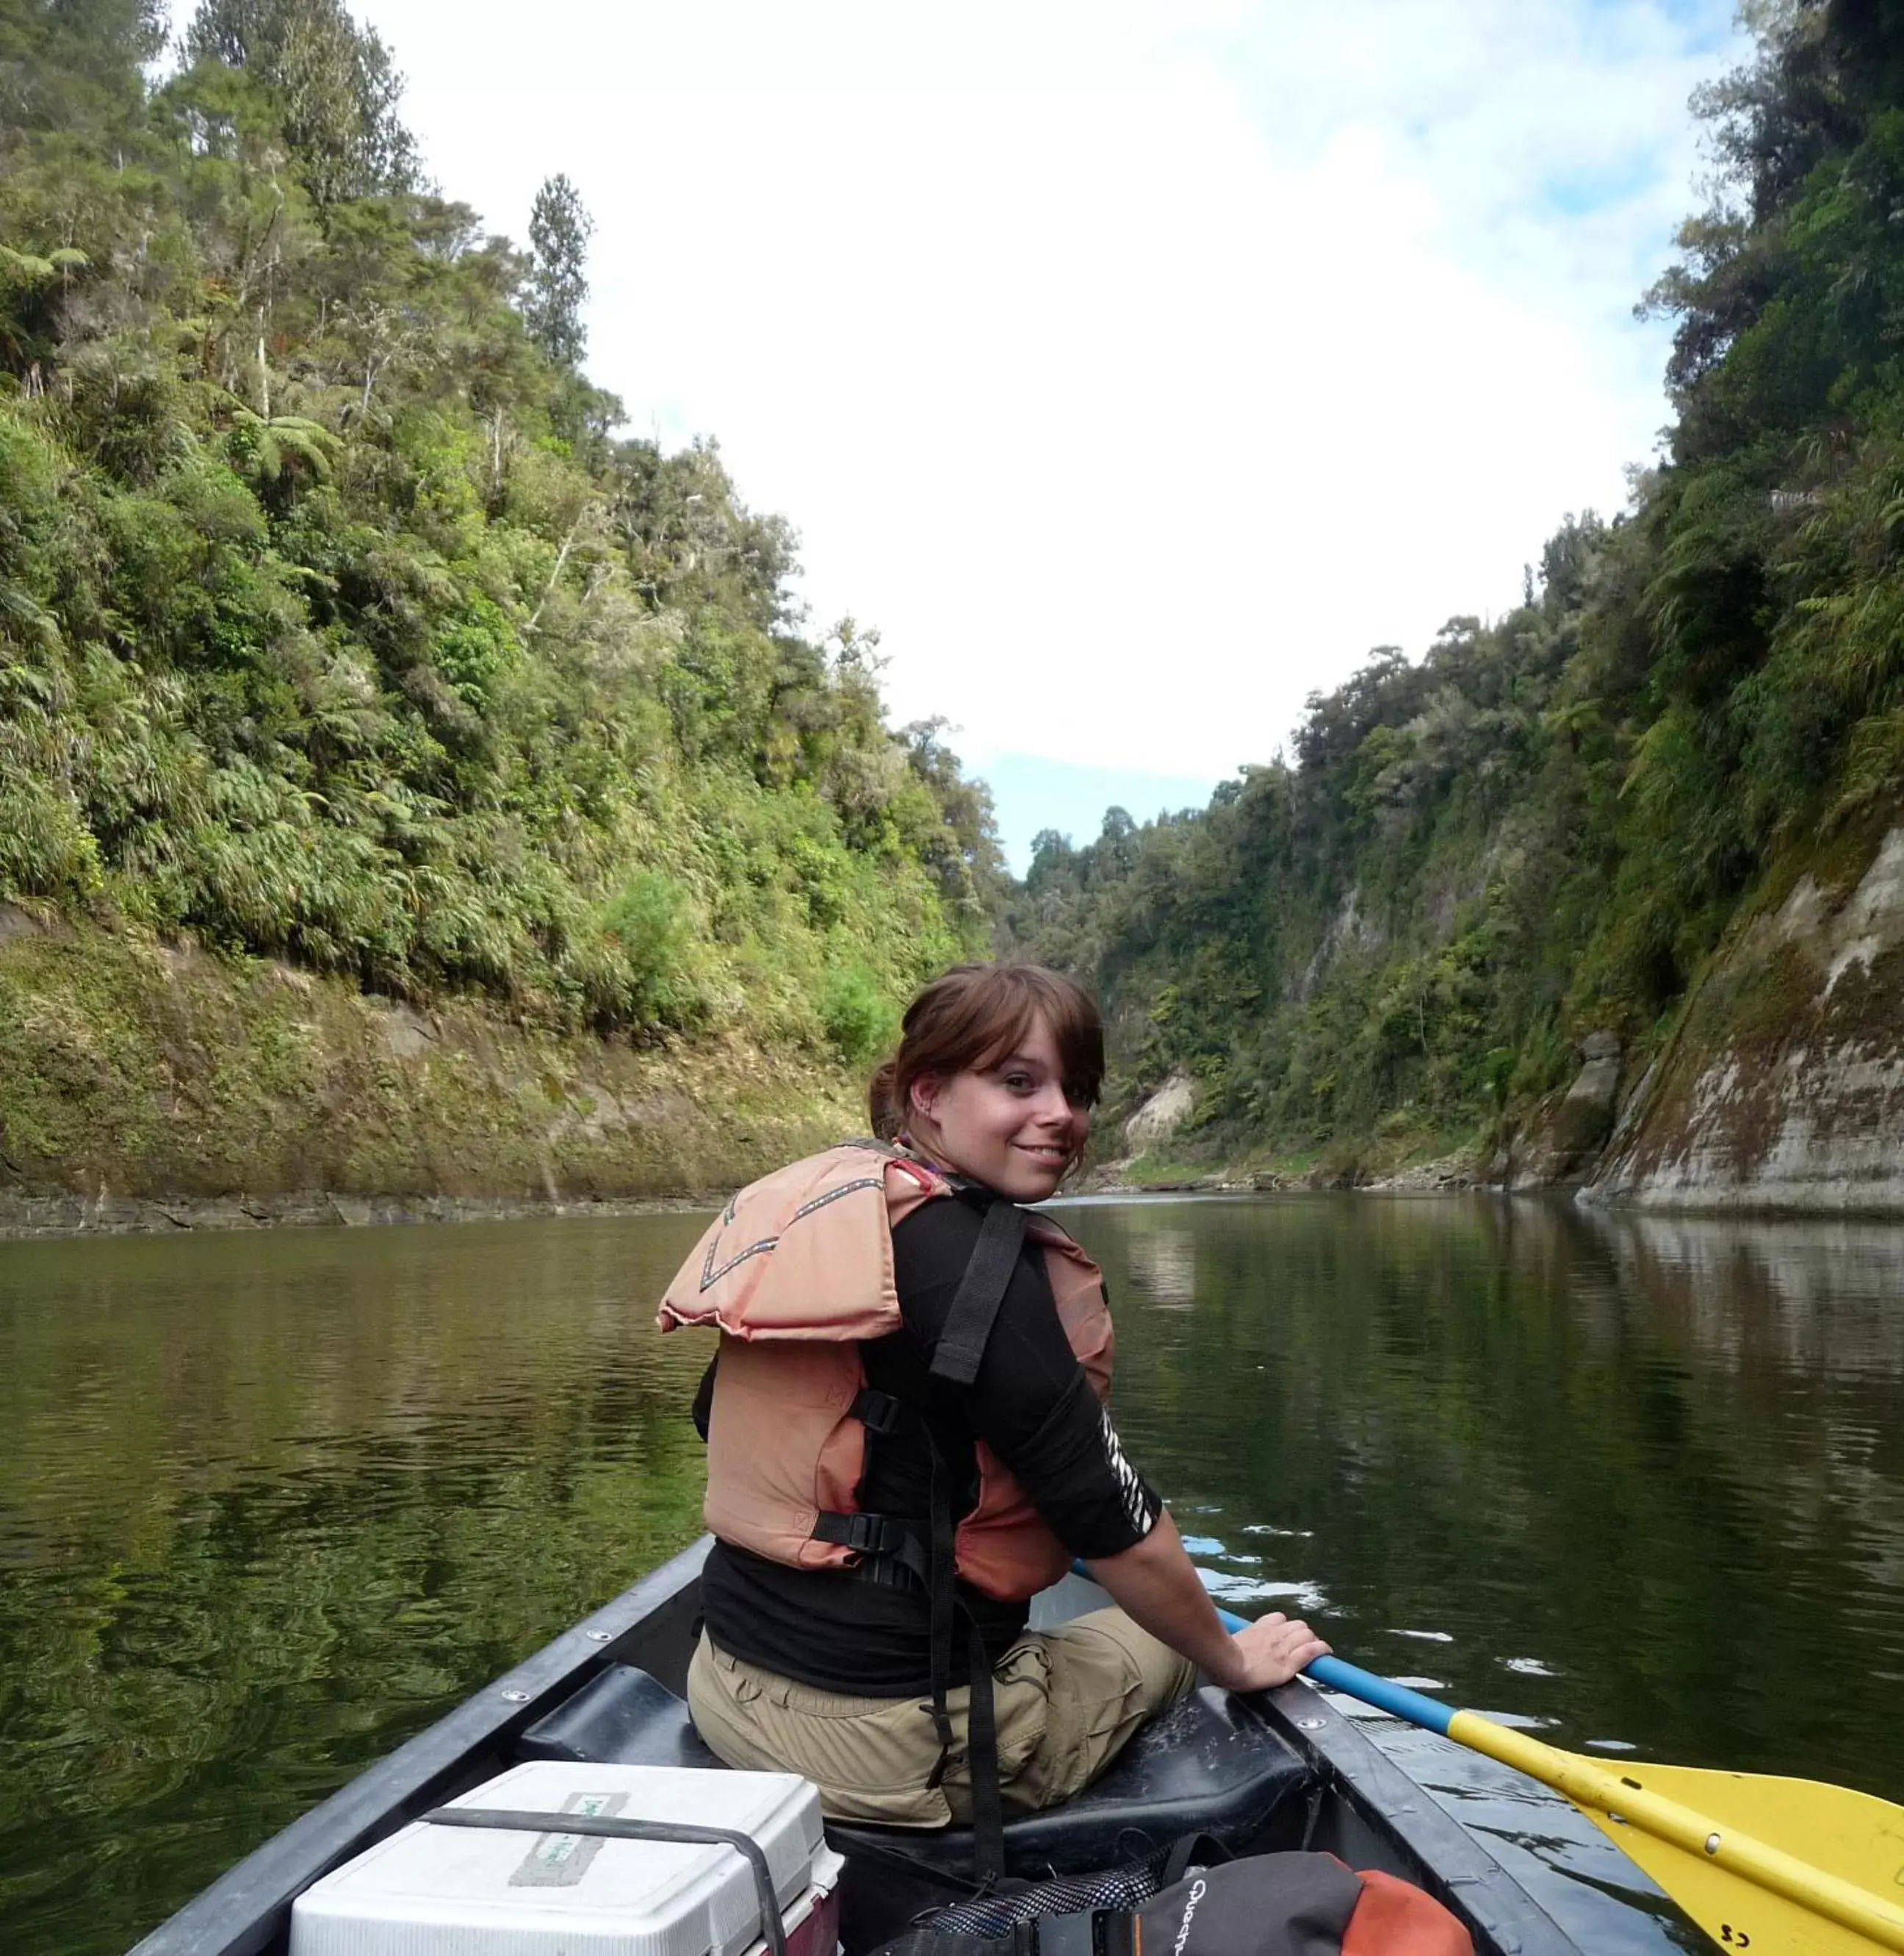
(1134, 367)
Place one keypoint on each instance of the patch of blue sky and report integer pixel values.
(1708, 23)
(1580, 193)
(1030, 793)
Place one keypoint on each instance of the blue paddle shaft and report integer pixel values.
(1396, 1699)
(1384, 1696)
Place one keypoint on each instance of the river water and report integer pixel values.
(269, 1503)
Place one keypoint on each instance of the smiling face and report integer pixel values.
(1009, 1123)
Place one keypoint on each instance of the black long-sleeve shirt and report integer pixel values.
(1030, 1403)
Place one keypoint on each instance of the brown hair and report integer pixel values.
(977, 1013)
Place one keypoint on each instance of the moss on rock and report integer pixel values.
(133, 1069)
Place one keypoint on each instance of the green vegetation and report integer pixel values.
(1548, 826)
(131, 1069)
(339, 630)
(337, 626)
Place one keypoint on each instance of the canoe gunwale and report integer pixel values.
(1449, 1862)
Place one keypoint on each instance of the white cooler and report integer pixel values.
(438, 1891)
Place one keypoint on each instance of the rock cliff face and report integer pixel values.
(147, 1085)
(1161, 1115)
(1784, 1086)
(1561, 1140)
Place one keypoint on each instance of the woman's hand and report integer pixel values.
(1156, 1585)
(1269, 1652)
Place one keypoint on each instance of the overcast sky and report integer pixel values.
(1134, 368)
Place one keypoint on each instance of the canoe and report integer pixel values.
(1285, 1769)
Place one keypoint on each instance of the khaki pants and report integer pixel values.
(1067, 1700)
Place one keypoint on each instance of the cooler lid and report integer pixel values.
(431, 1891)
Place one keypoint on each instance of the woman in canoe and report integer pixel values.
(908, 1436)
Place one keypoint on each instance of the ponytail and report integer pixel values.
(883, 1106)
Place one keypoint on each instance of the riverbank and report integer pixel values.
(1775, 1088)
(25, 1217)
(1391, 1164)
(148, 1087)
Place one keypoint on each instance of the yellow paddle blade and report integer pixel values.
(1853, 1837)
(1783, 1867)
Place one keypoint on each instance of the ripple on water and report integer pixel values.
(1526, 1666)
(1229, 1587)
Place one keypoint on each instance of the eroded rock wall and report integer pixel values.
(1161, 1115)
(1560, 1141)
(1784, 1087)
(140, 1082)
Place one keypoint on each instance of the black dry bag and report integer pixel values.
(1292, 1904)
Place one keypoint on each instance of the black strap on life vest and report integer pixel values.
(891, 1545)
(981, 1290)
(956, 1358)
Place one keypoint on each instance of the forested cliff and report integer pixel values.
(349, 658)
(1621, 855)
(410, 787)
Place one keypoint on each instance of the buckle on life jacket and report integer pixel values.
(885, 1571)
(867, 1534)
(881, 1413)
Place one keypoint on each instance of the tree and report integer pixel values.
(337, 82)
(76, 65)
(334, 625)
(560, 227)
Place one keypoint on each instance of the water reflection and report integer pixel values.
(268, 1503)
(1637, 1483)
(1817, 1298)
(1656, 1462)
(1163, 1259)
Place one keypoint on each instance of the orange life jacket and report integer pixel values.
(796, 1271)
